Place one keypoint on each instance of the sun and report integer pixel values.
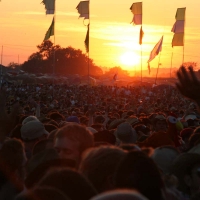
(129, 59)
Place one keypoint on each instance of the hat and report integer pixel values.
(132, 120)
(195, 149)
(191, 116)
(126, 133)
(91, 129)
(115, 123)
(32, 130)
(73, 119)
(29, 118)
(164, 157)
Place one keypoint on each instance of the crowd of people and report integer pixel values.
(72, 142)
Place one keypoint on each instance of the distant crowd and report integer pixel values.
(72, 142)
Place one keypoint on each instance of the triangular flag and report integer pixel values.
(156, 50)
(83, 9)
(50, 31)
(87, 39)
(141, 35)
(49, 6)
(136, 9)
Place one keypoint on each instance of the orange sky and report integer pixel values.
(112, 38)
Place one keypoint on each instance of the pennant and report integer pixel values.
(83, 9)
(87, 39)
(141, 35)
(49, 6)
(50, 31)
(156, 50)
(136, 9)
(178, 28)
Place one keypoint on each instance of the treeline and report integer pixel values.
(54, 59)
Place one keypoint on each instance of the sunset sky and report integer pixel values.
(113, 40)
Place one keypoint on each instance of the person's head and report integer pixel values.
(70, 182)
(125, 133)
(186, 168)
(33, 130)
(160, 123)
(72, 140)
(29, 118)
(138, 171)
(13, 160)
(98, 165)
(164, 157)
(43, 193)
(120, 194)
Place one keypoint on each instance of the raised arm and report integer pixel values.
(188, 84)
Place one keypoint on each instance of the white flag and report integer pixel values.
(156, 50)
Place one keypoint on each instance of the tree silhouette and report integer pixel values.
(58, 60)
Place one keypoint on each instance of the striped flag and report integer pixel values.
(178, 28)
(49, 6)
(136, 9)
(83, 9)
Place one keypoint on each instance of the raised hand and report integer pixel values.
(188, 84)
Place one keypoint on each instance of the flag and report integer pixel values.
(141, 35)
(136, 9)
(83, 9)
(115, 77)
(50, 31)
(178, 28)
(87, 39)
(156, 50)
(49, 6)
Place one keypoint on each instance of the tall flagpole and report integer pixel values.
(157, 69)
(54, 56)
(1, 66)
(171, 66)
(141, 63)
(89, 47)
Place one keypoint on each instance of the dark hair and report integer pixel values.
(98, 164)
(138, 171)
(70, 182)
(43, 193)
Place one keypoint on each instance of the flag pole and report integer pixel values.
(54, 56)
(141, 63)
(1, 66)
(171, 66)
(89, 47)
(157, 69)
(89, 54)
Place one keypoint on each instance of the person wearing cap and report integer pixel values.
(32, 132)
(126, 134)
(160, 123)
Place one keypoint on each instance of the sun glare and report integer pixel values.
(129, 59)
